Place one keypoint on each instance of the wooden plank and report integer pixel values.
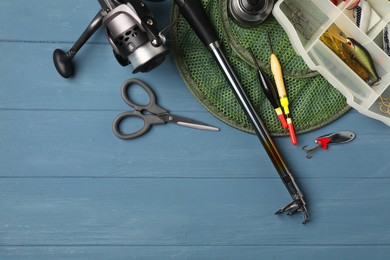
(59, 21)
(70, 189)
(194, 252)
(81, 143)
(33, 82)
(193, 212)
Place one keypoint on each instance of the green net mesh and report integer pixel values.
(313, 101)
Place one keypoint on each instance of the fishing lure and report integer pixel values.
(350, 6)
(339, 137)
(386, 41)
(362, 14)
(356, 52)
(337, 47)
(353, 4)
(336, 2)
(334, 41)
(362, 56)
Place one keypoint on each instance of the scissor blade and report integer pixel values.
(199, 126)
(184, 121)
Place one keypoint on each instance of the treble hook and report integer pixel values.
(309, 151)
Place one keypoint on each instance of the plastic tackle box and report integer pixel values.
(306, 20)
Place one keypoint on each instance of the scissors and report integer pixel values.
(156, 114)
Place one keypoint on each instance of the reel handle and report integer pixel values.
(63, 63)
(63, 60)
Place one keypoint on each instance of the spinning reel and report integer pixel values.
(131, 32)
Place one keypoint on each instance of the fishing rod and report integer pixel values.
(195, 15)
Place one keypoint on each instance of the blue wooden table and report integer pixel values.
(70, 189)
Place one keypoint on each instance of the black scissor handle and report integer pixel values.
(148, 120)
(151, 106)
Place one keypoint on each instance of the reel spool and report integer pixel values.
(249, 13)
